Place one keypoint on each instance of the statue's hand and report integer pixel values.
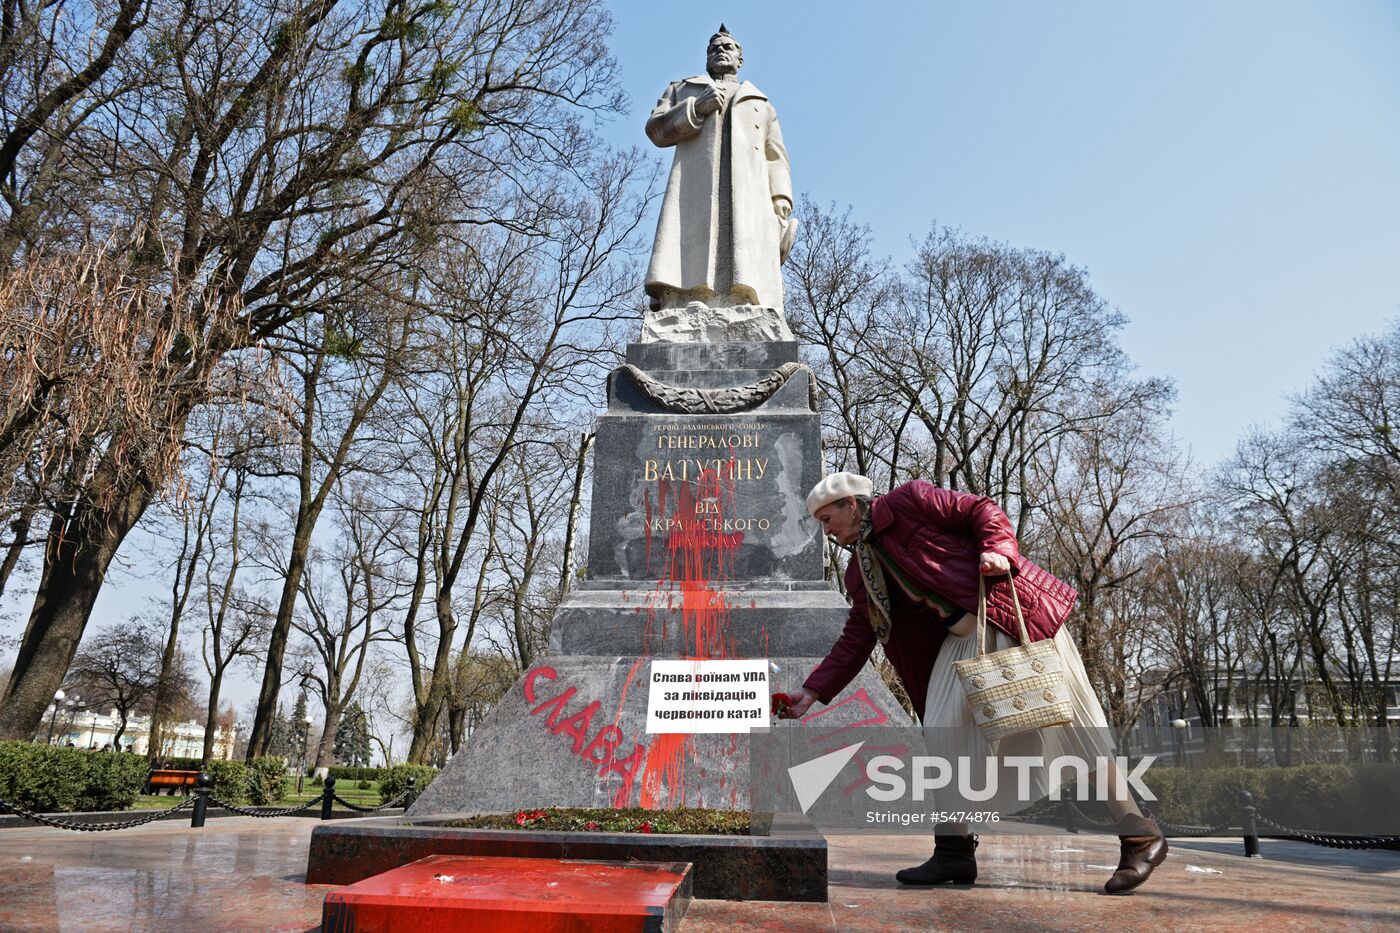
(711, 99)
(782, 207)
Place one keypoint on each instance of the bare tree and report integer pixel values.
(1191, 593)
(536, 505)
(236, 621)
(1271, 484)
(283, 159)
(518, 342)
(348, 613)
(342, 374)
(566, 570)
(1348, 416)
(57, 77)
(1351, 411)
(118, 668)
(85, 435)
(479, 682)
(998, 353)
(1113, 493)
(835, 295)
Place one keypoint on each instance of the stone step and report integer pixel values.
(533, 895)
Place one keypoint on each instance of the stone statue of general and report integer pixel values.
(726, 225)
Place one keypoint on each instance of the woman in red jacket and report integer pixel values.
(918, 555)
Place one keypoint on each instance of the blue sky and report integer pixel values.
(1229, 173)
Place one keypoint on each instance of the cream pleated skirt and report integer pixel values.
(951, 732)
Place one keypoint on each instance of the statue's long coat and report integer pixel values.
(703, 245)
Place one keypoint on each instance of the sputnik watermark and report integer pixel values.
(811, 778)
(1100, 778)
(884, 772)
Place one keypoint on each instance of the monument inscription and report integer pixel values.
(735, 482)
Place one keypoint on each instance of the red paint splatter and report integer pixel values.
(877, 717)
(693, 575)
(831, 740)
(626, 685)
(697, 563)
(663, 781)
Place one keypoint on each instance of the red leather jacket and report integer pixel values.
(937, 537)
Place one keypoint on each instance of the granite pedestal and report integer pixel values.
(700, 547)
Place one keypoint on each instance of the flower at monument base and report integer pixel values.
(645, 828)
(592, 824)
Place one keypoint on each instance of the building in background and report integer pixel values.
(182, 739)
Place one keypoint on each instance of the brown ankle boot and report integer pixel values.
(953, 862)
(1142, 848)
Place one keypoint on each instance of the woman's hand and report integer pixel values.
(799, 703)
(994, 564)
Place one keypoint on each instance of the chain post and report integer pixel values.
(1067, 805)
(327, 797)
(412, 792)
(203, 785)
(1251, 831)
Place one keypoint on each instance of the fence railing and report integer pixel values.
(1071, 817)
(203, 797)
(1067, 814)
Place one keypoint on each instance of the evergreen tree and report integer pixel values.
(282, 742)
(352, 741)
(299, 729)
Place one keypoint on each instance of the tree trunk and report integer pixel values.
(456, 718)
(260, 741)
(325, 749)
(20, 528)
(211, 721)
(425, 723)
(184, 568)
(78, 553)
(160, 705)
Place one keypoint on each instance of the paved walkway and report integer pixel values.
(245, 875)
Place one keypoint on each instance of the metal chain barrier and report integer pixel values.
(1044, 810)
(79, 826)
(1184, 829)
(1090, 821)
(1333, 842)
(202, 799)
(359, 809)
(263, 812)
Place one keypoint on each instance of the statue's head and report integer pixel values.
(724, 55)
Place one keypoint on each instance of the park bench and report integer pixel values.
(170, 780)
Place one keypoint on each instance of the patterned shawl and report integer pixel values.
(874, 563)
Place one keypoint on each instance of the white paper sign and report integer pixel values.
(708, 696)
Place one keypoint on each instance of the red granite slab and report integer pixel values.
(444, 893)
(786, 862)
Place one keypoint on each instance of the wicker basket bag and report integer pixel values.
(1014, 690)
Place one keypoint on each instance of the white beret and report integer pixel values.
(837, 486)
